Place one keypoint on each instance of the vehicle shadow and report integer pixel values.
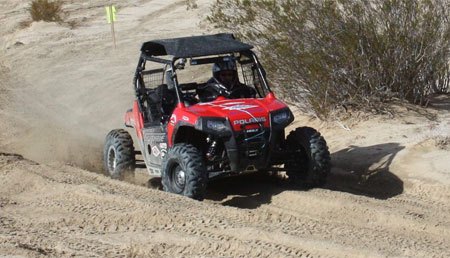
(246, 191)
(356, 170)
(365, 171)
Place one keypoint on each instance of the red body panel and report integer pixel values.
(238, 112)
(135, 119)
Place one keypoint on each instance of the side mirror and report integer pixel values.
(180, 65)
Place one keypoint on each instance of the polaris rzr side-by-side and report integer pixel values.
(188, 139)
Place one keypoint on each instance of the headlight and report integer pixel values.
(214, 125)
(282, 117)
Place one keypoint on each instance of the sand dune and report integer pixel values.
(63, 88)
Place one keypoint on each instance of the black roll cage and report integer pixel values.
(172, 63)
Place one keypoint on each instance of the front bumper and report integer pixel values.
(251, 149)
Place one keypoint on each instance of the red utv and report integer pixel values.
(188, 142)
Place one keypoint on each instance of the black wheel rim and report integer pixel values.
(177, 179)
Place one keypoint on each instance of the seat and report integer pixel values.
(160, 103)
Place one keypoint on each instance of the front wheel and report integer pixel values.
(118, 155)
(310, 161)
(183, 172)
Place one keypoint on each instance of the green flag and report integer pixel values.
(110, 13)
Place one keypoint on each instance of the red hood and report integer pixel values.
(238, 111)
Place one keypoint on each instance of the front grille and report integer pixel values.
(252, 142)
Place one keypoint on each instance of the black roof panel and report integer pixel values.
(195, 46)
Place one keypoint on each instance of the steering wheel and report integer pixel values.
(220, 89)
(213, 89)
(238, 92)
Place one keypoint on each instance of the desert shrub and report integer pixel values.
(442, 83)
(45, 10)
(323, 54)
(191, 4)
(442, 142)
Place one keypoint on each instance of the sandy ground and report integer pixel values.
(63, 88)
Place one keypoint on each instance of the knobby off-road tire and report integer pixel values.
(118, 155)
(311, 159)
(184, 172)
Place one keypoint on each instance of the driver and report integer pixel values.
(225, 82)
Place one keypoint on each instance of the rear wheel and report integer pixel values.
(118, 155)
(310, 163)
(184, 172)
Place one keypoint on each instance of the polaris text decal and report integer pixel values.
(249, 121)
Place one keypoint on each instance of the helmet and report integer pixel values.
(227, 66)
(224, 66)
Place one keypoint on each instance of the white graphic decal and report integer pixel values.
(249, 121)
(173, 119)
(155, 151)
(239, 107)
(163, 148)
